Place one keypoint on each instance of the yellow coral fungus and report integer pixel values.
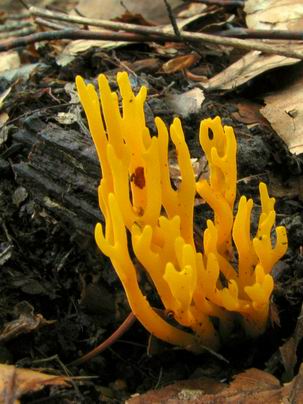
(201, 287)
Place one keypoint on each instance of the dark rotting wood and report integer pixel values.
(61, 172)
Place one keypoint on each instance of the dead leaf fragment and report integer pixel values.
(14, 382)
(270, 15)
(25, 323)
(249, 387)
(249, 113)
(154, 11)
(180, 63)
(187, 103)
(274, 14)
(284, 111)
(249, 66)
(9, 60)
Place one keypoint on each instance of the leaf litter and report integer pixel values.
(49, 263)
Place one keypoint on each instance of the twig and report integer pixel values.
(224, 3)
(20, 16)
(52, 24)
(172, 19)
(112, 25)
(24, 4)
(73, 35)
(156, 32)
(10, 26)
(176, 28)
(127, 323)
(18, 32)
(261, 34)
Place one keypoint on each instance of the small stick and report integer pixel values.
(169, 36)
(73, 35)
(224, 3)
(127, 323)
(176, 28)
(51, 24)
(17, 33)
(10, 26)
(262, 34)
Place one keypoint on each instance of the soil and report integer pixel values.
(50, 268)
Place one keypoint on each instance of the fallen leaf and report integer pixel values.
(14, 382)
(249, 387)
(270, 15)
(249, 66)
(274, 14)
(249, 113)
(192, 9)
(80, 45)
(186, 103)
(180, 63)
(25, 323)
(9, 60)
(284, 111)
(154, 11)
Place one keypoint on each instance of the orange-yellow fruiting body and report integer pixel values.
(136, 197)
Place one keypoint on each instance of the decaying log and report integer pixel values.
(61, 173)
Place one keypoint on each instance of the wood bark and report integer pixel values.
(61, 172)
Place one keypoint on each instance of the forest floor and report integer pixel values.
(59, 298)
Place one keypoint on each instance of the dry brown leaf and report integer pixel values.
(249, 387)
(14, 382)
(180, 63)
(151, 10)
(27, 322)
(249, 66)
(284, 111)
(79, 46)
(263, 14)
(249, 113)
(274, 14)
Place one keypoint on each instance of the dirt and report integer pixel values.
(48, 269)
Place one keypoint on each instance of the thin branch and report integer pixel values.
(262, 34)
(127, 323)
(24, 4)
(176, 28)
(17, 33)
(224, 3)
(72, 35)
(52, 24)
(169, 36)
(10, 26)
(172, 19)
